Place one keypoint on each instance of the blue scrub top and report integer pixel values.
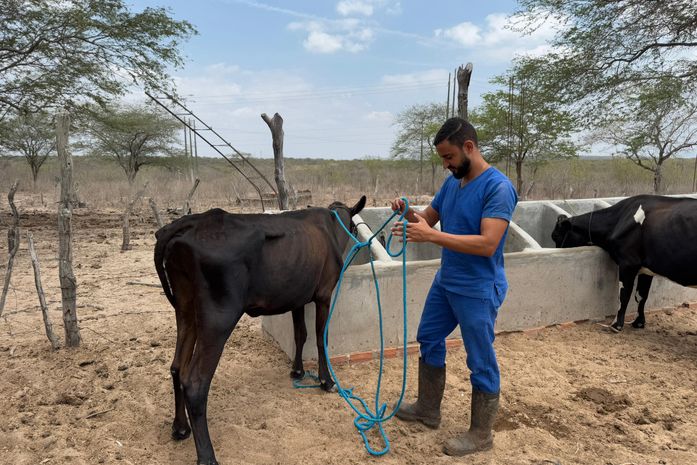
(461, 209)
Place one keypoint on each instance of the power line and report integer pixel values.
(313, 94)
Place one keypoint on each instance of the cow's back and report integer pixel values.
(669, 239)
(272, 262)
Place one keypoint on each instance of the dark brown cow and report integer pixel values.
(216, 266)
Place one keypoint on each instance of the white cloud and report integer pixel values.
(425, 77)
(318, 122)
(394, 8)
(499, 40)
(349, 7)
(223, 69)
(379, 116)
(465, 34)
(368, 7)
(321, 42)
(347, 34)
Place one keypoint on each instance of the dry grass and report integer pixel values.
(102, 184)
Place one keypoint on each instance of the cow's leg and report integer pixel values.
(321, 316)
(186, 338)
(300, 332)
(642, 289)
(627, 276)
(214, 328)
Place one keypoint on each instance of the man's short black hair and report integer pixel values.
(456, 131)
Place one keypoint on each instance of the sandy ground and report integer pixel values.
(577, 395)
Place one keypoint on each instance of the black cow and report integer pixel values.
(648, 235)
(216, 266)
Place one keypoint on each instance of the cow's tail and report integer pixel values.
(164, 235)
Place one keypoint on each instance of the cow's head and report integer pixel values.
(346, 213)
(565, 234)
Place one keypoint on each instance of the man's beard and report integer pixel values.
(463, 169)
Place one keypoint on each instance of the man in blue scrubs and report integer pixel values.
(474, 206)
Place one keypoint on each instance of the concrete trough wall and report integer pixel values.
(547, 286)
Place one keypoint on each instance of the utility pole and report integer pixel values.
(195, 149)
(421, 157)
(447, 102)
(452, 111)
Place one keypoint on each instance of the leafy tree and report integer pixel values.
(522, 123)
(32, 135)
(604, 47)
(56, 52)
(131, 134)
(418, 127)
(657, 122)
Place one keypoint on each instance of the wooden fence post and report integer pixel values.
(155, 212)
(12, 244)
(65, 213)
(187, 204)
(55, 343)
(126, 244)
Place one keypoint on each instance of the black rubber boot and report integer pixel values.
(426, 409)
(480, 436)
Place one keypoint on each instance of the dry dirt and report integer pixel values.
(577, 395)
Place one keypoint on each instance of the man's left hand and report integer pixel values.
(417, 231)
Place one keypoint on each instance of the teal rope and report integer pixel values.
(367, 419)
(297, 383)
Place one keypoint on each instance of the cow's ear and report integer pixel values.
(359, 206)
(563, 222)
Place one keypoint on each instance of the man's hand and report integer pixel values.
(417, 231)
(398, 205)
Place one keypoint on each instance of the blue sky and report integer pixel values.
(339, 71)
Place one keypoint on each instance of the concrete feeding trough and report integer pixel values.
(547, 286)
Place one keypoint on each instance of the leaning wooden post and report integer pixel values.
(464, 74)
(55, 343)
(187, 204)
(12, 243)
(126, 243)
(65, 213)
(155, 212)
(276, 127)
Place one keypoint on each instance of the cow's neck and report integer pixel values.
(594, 225)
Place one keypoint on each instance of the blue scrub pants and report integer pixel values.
(443, 311)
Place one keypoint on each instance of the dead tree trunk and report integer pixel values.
(519, 175)
(276, 127)
(65, 253)
(126, 244)
(464, 74)
(55, 343)
(155, 213)
(658, 180)
(12, 243)
(187, 204)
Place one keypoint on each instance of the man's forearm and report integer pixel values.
(469, 244)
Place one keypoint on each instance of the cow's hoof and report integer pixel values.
(615, 328)
(179, 434)
(297, 374)
(638, 325)
(329, 386)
